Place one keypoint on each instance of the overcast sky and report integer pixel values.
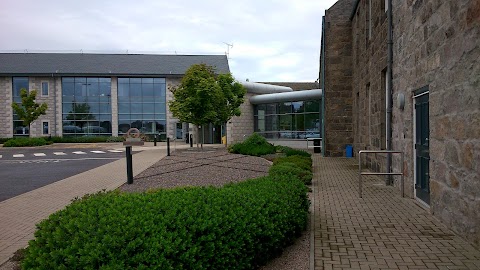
(273, 40)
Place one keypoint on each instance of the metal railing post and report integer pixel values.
(403, 175)
(360, 174)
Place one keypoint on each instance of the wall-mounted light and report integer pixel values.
(401, 101)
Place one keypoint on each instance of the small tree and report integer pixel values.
(195, 99)
(233, 94)
(29, 110)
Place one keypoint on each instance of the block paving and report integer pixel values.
(382, 230)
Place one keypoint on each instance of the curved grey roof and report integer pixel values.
(261, 88)
(287, 96)
(105, 64)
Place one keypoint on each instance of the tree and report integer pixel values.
(80, 111)
(203, 98)
(233, 96)
(29, 110)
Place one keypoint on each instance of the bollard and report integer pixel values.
(155, 140)
(191, 140)
(168, 146)
(129, 165)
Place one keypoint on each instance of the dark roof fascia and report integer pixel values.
(354, 10)
(90, 75)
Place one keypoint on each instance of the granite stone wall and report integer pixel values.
(6, 115)
(338, 78)
(437, 44)
(241, 126)
(369, 61)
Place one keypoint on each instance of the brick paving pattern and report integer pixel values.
(382, 230)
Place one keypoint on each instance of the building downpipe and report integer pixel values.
(322, 79)
(388, 99)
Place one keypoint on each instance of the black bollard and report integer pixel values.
(191, 140)
(155, 140)
(129, 165)
(168, 146)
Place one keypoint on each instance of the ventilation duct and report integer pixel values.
(261, 88)
(287, 96)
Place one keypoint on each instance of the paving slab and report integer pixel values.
(382, 230)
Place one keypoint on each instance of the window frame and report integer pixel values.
(48, 88)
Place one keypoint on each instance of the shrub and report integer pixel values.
(239, 226)
(24, 142)
(86, 139)
(255, 145)
(305, 163)
(3, 140)
(291, 169)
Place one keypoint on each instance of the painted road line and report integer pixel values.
(98, 152)
(39, 154)
(59, 153)
(0, 156)
(18, 155)
(115, 151)
(79, 153)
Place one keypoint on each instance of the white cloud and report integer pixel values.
(272, 40)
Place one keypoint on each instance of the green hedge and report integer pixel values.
(300, 166)
(239, 226)
(292, 152)
(3, 140)
(255, 145)
(86, 139)
(23, 142)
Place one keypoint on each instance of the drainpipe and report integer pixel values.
(388, 99)
(322, 55)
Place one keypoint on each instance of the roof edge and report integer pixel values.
(354, 9)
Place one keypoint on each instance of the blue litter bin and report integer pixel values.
(349, 151)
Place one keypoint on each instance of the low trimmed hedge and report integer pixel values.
(288, 151)
(255, 145)
(86, 139)
(3, 140)
(25, 142)
(238, 226)
(299, 166)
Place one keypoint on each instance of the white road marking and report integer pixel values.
(79, 153)
(98, 152)
(0, 156)
(39, 154)
(59, 153)
(115, 151)
(18, 155)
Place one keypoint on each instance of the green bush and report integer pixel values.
(288, 151)
(239, 226)
(3, 140)
(291, 169)
(255, 145)
(24, 142)
(86, 139)
(305, 163)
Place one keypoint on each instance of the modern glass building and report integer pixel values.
(96, 94)
(107, 94)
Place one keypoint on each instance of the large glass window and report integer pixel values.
(19, 83)
(141, 104)
(288, 120)
(86, 106)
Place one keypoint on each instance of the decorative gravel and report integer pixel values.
(198, 168)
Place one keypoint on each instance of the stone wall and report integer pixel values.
(6, 120)
(369, 36)
(171, 121)
(338, 78)
(35, 83)
(241, 126)
(437, 44)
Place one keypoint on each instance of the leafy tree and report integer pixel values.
(29, 110)
(233, 96)
(195, 99)
(203, 97)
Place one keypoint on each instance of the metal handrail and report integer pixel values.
(360, 173)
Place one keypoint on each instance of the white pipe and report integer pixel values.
(262, 88)
(287, 96)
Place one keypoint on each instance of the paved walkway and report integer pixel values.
(19, 215)
(380, 231)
